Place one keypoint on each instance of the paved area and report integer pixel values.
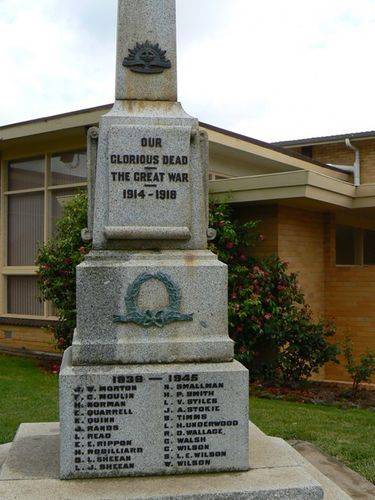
(277, 471)
(351, 482)
(4, 450)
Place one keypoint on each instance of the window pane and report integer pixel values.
(26, 174)
(59, 199)
(345, 245)
(68, 168)
(23, 296)
(25, 227)
(369, 247)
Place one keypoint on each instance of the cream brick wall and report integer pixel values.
(350, 303)
(267, 215)
(338, 153)
(301, 243)
(306, 239)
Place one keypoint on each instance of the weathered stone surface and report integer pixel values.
(34, 453)
(151, 174)
(103, 282)
(149, 184)
(4, 450)
(277, 471)
(152, 419)
(155, 21)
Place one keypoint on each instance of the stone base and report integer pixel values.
(152, 419)
(31, 471)
(192, 284)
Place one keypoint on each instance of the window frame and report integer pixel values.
(47, 189)
(359, 246)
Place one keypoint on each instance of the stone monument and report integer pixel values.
(149, 385)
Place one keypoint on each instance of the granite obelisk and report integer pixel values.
(149, 385)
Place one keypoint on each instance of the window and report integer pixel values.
(368, 247)
(25, 227)
(34, 194)
(345, 245)
(68, 168)
(307, 151)
(354, 246)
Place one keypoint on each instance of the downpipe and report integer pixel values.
(352, 169)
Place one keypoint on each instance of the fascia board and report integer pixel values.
(285, 185)
(50, 125)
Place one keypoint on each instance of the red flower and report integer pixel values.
(82, 250)
(55, 368)
(268, 316)
(261, 237)
(243, 258)
(221, 223)
(67, 261)
(230, 245)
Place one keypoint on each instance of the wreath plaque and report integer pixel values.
(149, 317)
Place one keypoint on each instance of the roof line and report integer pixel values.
(60, 115)
(327, 138)
(273, 146)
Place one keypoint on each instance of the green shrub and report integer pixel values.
(360, 371)
(57, 261)
(272, 326)
(274, 334)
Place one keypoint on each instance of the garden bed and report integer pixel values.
(325, 393)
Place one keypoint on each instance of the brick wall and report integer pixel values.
(301, 243)
(267, 215)
(350, 301)
(338, 153)
(27, 338)
(306, 239)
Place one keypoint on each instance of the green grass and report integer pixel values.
(29, 394)
(348, 435)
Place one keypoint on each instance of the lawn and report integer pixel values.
(29, 394)
(348, 435)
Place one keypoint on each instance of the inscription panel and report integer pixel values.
(149, 176)
(165, 421)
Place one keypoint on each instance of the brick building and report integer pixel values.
(312, 214)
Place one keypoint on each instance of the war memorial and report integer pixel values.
(152, 402)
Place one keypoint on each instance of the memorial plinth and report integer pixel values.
(149, 385)
(153, 419)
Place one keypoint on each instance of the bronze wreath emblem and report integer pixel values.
(149, 317)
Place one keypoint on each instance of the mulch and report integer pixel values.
(326, 393)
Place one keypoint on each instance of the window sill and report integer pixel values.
(35, 322)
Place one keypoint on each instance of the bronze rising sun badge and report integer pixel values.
(147, 58)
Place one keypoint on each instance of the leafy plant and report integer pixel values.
(57, 261)
(360, 370)
(272, 326)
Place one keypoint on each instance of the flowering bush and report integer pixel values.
(274, 334)
(57, 261)
(272, 326)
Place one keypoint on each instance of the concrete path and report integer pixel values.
(351, 482)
